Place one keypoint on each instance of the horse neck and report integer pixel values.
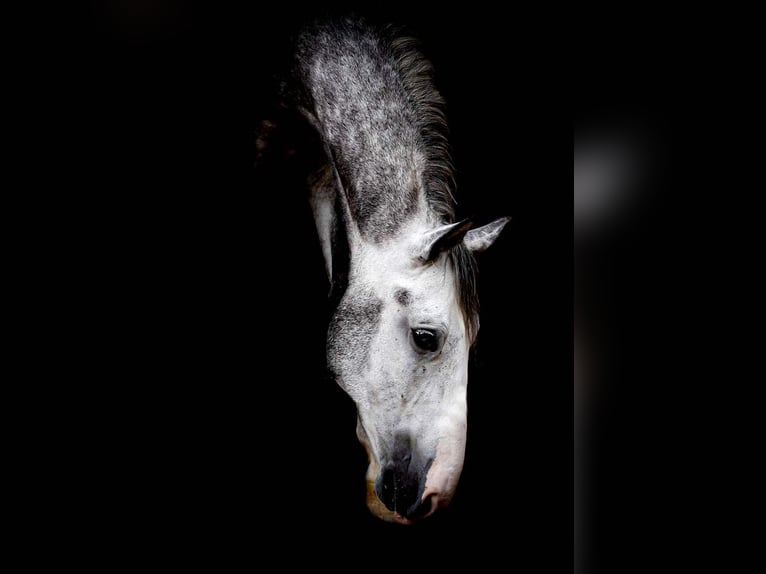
(369, 123)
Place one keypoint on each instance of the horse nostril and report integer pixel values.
(420, 509)
(398, 488)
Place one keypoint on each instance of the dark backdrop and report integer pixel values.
(226, 438)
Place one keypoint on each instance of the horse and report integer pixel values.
(401, 268)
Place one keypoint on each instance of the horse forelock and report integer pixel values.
(466, 275)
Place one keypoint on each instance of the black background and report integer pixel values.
(225, 438)
(182, 301)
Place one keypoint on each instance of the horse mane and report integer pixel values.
(417, 77)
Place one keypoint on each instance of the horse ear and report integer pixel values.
(443, 238)
(482, 237)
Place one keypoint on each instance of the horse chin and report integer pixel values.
(379, 510)
(375, 506)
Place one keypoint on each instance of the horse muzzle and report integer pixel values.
(396, 484)
(401, 484)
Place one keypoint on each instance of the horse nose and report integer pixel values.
(400, 486)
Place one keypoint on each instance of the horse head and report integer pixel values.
(398, 344)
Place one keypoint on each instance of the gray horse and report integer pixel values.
(401, 267)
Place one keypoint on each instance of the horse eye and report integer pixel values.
(425, 340)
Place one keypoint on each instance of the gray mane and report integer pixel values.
(417, 76)
(370, 94)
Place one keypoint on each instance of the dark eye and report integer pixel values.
(425, 340)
